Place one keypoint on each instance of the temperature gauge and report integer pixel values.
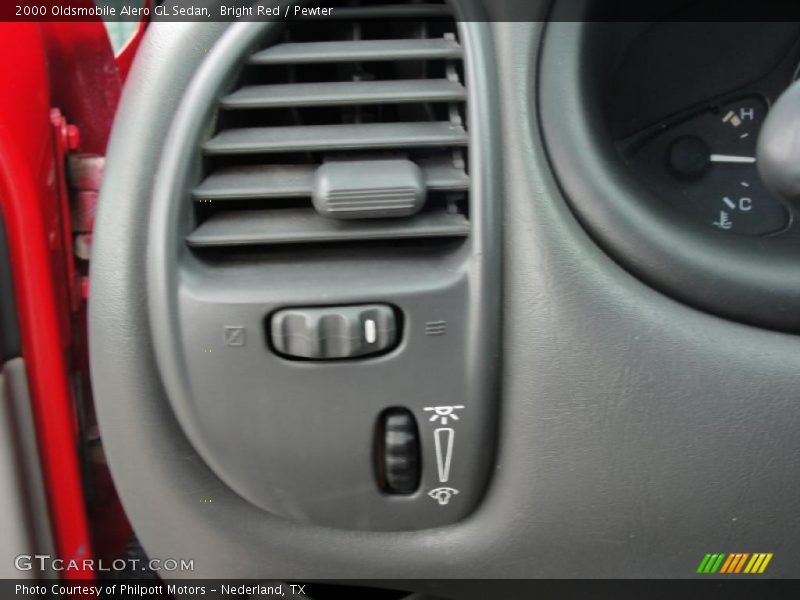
(705, 166)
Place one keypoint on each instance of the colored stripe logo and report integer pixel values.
(735, 563)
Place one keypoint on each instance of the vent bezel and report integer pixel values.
(191, 298)
(255, 172)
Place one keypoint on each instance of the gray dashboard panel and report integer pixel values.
(297, 438)
(636, 433)
(751, 281)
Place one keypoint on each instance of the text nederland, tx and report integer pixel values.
(146, 591)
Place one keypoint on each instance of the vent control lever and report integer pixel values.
(333, 332)
(369, 189)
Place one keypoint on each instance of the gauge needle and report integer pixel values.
(729, 158)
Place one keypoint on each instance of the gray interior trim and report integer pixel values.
(242, 182)
(300, 226)
(369, 136)
(636, 432)
(375, 50)
(296, 439)
(344, 93)
(23, 504)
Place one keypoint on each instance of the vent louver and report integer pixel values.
(381, 83)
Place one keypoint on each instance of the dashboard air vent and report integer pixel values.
(378, 91)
